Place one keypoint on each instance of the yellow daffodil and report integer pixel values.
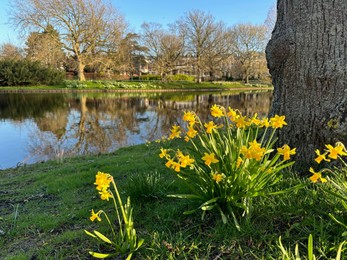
(189, 117)
(102, 180)
(317, 176)
(265, 123)
(105, 194)
(321, 157)
(175, 132)
(176, 166)
(286, 152)
(246, 152)
(95, 216)
(254, 120)
(209, 158)
(335, 151)
(186, 161)
(241, 122)
(216, 111)
(163, 153)
(217, 177)
(210, 126)
(278, 121)
(232, 114)
(191, 133)
(239, 162)
(255, 150)
(169, 163)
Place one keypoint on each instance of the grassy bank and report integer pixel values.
(45, 208)
(140, 85)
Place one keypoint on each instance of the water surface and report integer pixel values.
(37, 127)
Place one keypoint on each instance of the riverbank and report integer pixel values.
(45, 209)
(136, 86)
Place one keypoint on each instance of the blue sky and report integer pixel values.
(163, 11)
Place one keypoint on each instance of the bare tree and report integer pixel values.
(248, 43)
(43, 47)
(307, 58)
(165, 47)
(86, 27)
(10, 51)
(199, 29)
(219, 50)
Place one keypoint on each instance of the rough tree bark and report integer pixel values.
(307, 58)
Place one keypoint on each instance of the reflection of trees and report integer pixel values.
(29, 105)
(102, 123)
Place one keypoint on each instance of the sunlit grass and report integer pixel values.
(54, 201)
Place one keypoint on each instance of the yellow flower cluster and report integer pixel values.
(331, 152)
(102, 182)
(253, 151)
(178, 161)
(233, 118)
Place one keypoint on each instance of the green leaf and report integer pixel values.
(89, 234)
(188, 212)
(184, 196)
(338, 256)
(99, 255)
(206, 203)
(310, 248)
(102, 237)
(208, 207)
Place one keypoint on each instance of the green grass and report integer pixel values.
(140, 85)
(45, 207)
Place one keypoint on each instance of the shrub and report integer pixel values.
(25, 72)
(148, 77)
(180, 77)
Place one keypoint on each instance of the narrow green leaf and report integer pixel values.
(184, 196)
(102, 237)
(338, 256)
(209, 207)
(99, 255)
(89, 234)
(310, 247)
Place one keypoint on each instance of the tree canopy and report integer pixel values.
(85, 27)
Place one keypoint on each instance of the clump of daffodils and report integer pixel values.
(330, 153)
(125, 241)
(231, 159)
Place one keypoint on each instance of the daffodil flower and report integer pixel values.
(102, 180)
(209, 158)
(210, 126)
(105, 194)
(216, 111)
(95, 216)
(335, 151)
(286, 152)
(217, 177)
(321, 157)
(317, 176)
(175, 132)
(278, 121)
(163, 153)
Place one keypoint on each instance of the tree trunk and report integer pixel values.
(307, 58)
(80, 72)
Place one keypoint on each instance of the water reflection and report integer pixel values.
(60, 125)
